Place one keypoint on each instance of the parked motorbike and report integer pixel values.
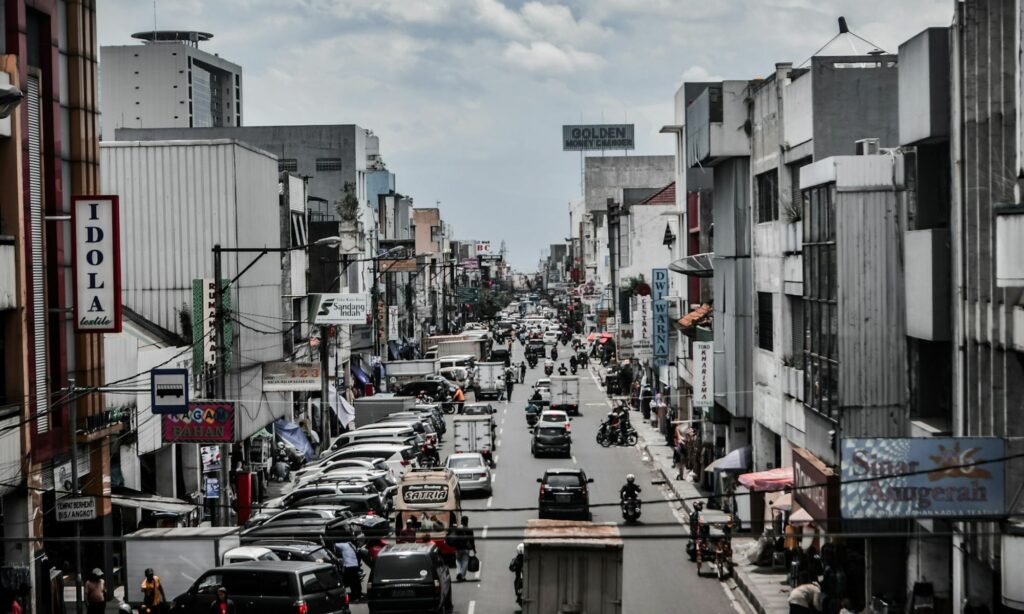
(608, 435)
(631, 509)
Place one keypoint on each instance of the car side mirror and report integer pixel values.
(540, 480)
(590, 480)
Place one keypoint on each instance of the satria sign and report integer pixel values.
(96, 263)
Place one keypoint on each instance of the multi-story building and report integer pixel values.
(168, 82)
(48, 155)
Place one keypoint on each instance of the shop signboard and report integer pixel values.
(703, 374)
(816, 487)
(922, 477)
(393, 323)
(291, 377)
(204, 422)
(642, 346)
(340, 308)
(597, 137)
(203, 336)
(659, 319)
(96, 263)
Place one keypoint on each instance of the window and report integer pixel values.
(821, 366)
(767, 195)
(300, 232)
(796, 327)
(290, 165)
(764, 321)
(328, 164)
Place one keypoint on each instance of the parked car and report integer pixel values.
(472, 471)
(248, 554)
(329, 463)
(410, 578)
(564, 492)
(551, 439)
(398, 431)
(269, 587)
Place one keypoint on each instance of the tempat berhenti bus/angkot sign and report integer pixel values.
(922, 477)
(96, 263)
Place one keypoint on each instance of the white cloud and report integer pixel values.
(499, 19)
(699, 73)
(557, 23)
(543, 57)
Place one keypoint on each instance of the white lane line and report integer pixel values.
(495, 458)
(490, 501)
(471, 608)
(483, 534)
(574, 460)
(501, 431)
(497, 443)
(732, 598)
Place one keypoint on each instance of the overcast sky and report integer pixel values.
(468, 96)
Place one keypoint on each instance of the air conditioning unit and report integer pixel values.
(867, 147)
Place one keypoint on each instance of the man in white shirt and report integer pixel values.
(350, 569)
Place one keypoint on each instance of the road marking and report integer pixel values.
(495, 458)
(494, 477)
(497, 443)
(574, 460)
(732, 598)
(483, 534)
(490, 500)
(501, 431)
(471, 608)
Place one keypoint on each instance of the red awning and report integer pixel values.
(591, 337)
(607, 335)
(773, 479)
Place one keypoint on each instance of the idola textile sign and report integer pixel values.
(922, 477)
(96, 261)
(204, 422)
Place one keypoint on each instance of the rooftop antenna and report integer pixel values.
(844, 28)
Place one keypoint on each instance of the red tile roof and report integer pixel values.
(664, 196)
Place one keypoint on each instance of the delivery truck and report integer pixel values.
(565, 394)
(489, 380)
(477, 348)
(572, 566)
(177, 555)
(473, 434)
(405, 371)
(372, 409)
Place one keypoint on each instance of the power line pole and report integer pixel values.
(224, 502)
(73, 410)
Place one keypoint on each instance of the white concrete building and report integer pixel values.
(167, 82)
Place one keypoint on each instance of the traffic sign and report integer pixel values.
(169, 391)
(74, 509)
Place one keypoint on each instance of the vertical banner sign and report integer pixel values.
(704, 374)
(659, 290)
(393, 323)
(96, 263)
(204, 320)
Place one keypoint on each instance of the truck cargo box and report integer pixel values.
(572, 566)
(372, 409)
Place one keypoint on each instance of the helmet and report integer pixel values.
(611, 415)
(630, 478)
(520, 549)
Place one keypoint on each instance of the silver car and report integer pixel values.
(472, 471)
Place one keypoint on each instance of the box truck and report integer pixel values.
(473, 433)
(372, 409)
(405, 371)
(565, 394)
(572, 566)
(178, 556)
(489, 380)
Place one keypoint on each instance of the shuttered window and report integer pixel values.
(33, 105)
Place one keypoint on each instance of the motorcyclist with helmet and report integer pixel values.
(562, 370)
(629, 490)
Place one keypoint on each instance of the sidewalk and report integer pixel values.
(764, 588)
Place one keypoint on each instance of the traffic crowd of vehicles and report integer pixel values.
(380, 497)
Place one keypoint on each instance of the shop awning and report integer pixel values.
(772, 479)
(801, 518)
(783, 503)
(697, 265)
(700, 315)
(737, 460)
(140, 500)
(360, 375)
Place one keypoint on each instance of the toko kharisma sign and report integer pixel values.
(904, 477)
(596, 137)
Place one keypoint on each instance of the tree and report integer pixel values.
(348, 206)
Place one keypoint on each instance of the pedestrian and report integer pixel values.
(510, 376)
(806, 597)
(465, 547)
(223, 605)
(9, 602)
(522, 372)
(153, 596)
(350, 569)
(459, 398)
(95, 593)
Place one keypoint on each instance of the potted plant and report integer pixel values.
(793, 212)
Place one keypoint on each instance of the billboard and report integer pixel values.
(291, 376)
(596, 137)
(204, 422)
(342, 308)
(925, 477)
(96, 263)
(483, 248)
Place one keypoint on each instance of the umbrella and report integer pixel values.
(737, 460)
(772, 479)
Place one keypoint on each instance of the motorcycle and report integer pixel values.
(531, 360)
(572, 369)
(631, 509)
(565, 339)
(549, 369)
(608, 435)
(429, 456)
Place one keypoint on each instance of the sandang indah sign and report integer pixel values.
(596, 137)
(425, 494)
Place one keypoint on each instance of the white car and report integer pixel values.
(551, 417)
(472, 471)
(551, 337)
(249, 554)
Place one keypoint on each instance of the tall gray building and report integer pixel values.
(167, 82)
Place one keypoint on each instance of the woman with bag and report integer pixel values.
(465, 551)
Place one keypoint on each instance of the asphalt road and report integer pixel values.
(658, 577)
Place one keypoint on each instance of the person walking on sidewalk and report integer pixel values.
(522, 371)
(153, 595)
(95, 593)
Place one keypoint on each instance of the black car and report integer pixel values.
(301, 529)
(564, 492)
(269, 587)
(500, 354)
(551, 440)
(437, 390)
(410, 578)
(536, 346)
(478, 409)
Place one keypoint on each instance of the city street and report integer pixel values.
(658, 577)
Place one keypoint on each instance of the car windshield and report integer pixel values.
(552, 432)
(564, 480)
(552, 418)
(398, 568)
(465, 462)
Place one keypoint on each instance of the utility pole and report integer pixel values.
(73, 410)
(613, 256)
(325, 430)
(224, 502)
